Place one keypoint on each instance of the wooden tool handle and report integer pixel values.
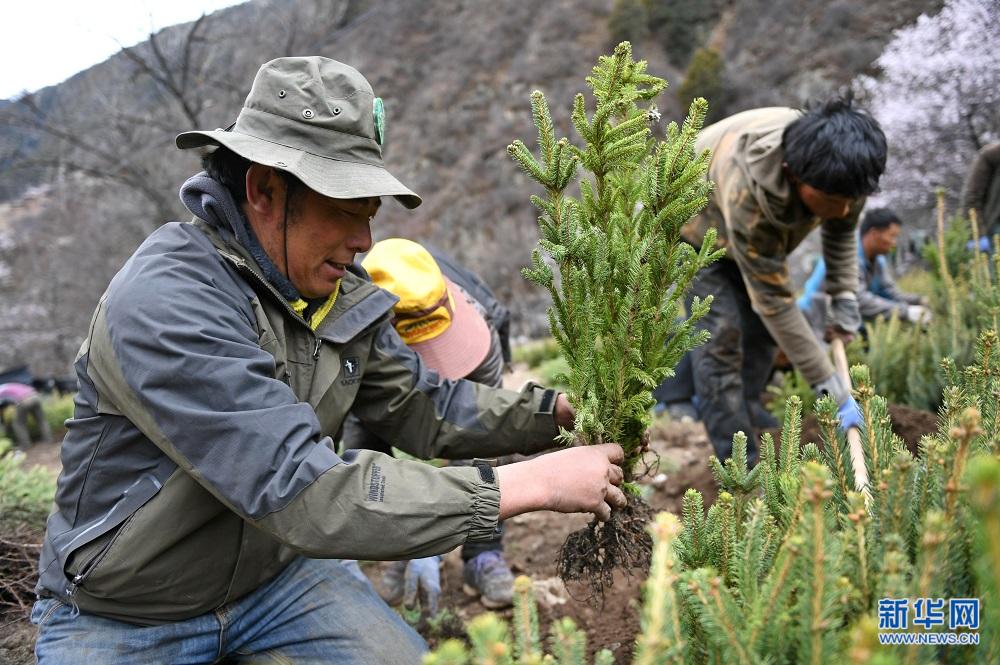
(840, 359)
(853, 435)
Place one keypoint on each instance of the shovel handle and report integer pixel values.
(853, 435)
(840, 359)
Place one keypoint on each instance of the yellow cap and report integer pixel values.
(433, 316)
(408, 271)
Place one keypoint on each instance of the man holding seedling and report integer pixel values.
(459, 337)
(779, 173)
(202, 507)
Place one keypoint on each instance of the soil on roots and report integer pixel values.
(590, 556)
(533, 541)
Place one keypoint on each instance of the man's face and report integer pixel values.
(823, 205)
(324, 235)
(883, 241)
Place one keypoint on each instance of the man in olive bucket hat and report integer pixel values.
(458, 336)
(201, 505)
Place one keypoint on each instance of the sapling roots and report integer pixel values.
(591, 555)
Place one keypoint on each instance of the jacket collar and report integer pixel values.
(359, 304)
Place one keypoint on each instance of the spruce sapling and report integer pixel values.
(621, 274)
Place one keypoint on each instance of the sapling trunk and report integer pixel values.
(617, 273)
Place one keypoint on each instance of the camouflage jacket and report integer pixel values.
(981, 191)
(760, 220)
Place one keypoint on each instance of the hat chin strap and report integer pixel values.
(284, 234)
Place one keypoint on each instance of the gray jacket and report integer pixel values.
(199, 461)
(981, 191)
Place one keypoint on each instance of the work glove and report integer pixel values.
(844, 312)
(849, 415)
(918, 314)
(848, 412)
(422, 582)
(984, 244)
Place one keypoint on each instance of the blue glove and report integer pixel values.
(848, 412)
(849, 415)
(422, 582)
(984, 244)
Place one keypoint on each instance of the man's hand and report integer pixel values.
(849, 415)
(845, 315)
(584, 479)
(564, 413)
(918, 314)
(847, 409)
(422, 582)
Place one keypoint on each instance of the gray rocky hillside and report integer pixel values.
(88, 168)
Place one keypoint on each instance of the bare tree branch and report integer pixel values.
(174, 82)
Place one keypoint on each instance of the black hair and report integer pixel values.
(226, 167)
(879, 218)
(836, 148)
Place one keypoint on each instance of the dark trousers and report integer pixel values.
(680, 386)
(732, 368)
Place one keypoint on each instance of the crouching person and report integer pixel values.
(458, 337)
(201, 505)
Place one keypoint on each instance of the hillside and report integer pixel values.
(455, 76)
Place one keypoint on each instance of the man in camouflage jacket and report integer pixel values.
(981, 192)
(779, 174)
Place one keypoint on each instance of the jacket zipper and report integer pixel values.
(80, 577)
(242, 266)
(245, 268)
(85, 572)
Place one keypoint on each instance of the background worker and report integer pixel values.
(454, 334)
(878, 295)
(202, 506)
(981, 192)
(27, 404)
(779, 173)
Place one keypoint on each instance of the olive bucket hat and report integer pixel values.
(319, 120)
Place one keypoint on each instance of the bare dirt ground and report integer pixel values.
(532, 541)
(908, 423)
(17, 634)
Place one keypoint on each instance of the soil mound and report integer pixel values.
(908, 423)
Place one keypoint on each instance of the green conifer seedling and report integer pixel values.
(806, 588)
(527, 642)
(617, 272)
(661, 640)
(984, 488)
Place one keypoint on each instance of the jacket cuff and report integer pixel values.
(484, 524)
(543, 429)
